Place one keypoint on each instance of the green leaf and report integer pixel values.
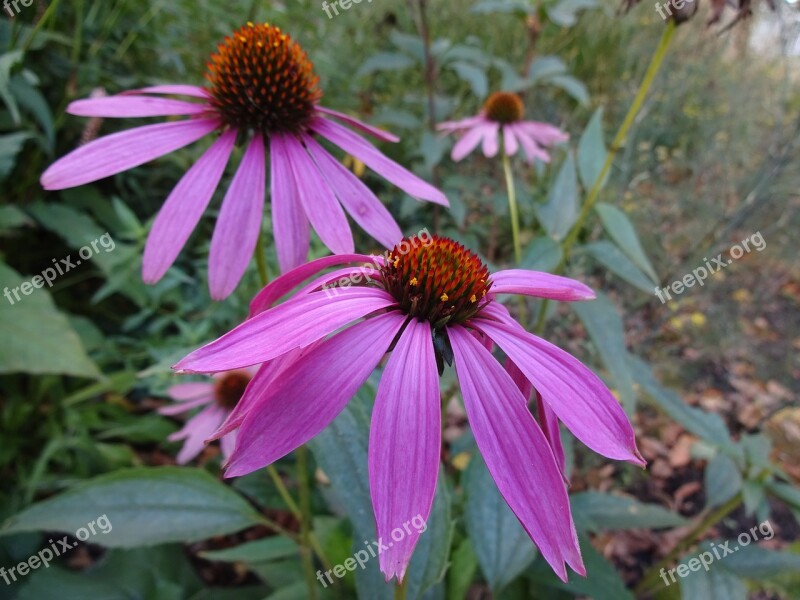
(722, 480)
(545, 67)
(12, 217)
(714, 584)
(607, 331)
(38, 338)
(622, 231)
(503, 548)
(31, 99)
(542, 254)
(572, 86)
(753, 494)
(618, 263)
(258, 551)
(10, 146)
(384, 61)
(597, 511)
(602, 581)
(592, 151)
(462, 571)
(501, 6)
(708, 426)
(565, 12)
(474, 76)
(754, 562)
(7, 62)
(560, 211)
(145, 506)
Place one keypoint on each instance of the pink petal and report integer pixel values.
(195, 432)
(227, 443)
(190, 390)
(318, 200)
(516, 452)
(491, 141)
(183, 208)
(543, 133)
(382, 135)
(182, 407)
(121, 151)
(134, 106)
(293, 324)
(549, 424)
(510, 141)
(531, 148)
(468, 123)
(334, 281)
(468, 142)
(404, 444)
(540, 285)
(176, 90)
(357, 199)
(283, 284)
(577, 396)
(289, 223)
(312, 392)
(370, 156)
(239, 222)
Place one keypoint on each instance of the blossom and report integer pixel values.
(218, 398)
(501, 121)
(262, 92)
(428, 301)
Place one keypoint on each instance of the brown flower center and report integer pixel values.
(229, 388)
(436, 279)
(504, 107)
(262, 80)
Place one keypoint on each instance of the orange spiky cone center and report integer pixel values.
(504, 107)
(436, 279)
(229, 388)
(262, 80)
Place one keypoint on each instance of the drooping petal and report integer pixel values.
(523, 385)
(227, 443)
(375, 160)
(183, 208)
(405, 443)
(543, 133)
(516, 452)
(134, 106)
(577, 396)
(239, 222)
(293, 324)
(190, 390)
(468, 123)
(540, 285)
(358, 200)
(468, 142)
(182, 407)
(311, 393)
(289, 223)
(510, 144)
(283, 284)
(195, 432)
(173, 90)
(382, 135)
(491, 140)
(549, 423)
(343, 278)
(121, 151)
(318, 200)
(531, 148)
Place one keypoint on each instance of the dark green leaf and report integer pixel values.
(263, 550)
(722, 480)
(622, 231)
(618, 263)
(559, 212)
(592, 151)
(596, 511)
(384, 61)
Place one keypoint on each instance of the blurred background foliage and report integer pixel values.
(711, 159)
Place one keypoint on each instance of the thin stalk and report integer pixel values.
(49, 12)
(261, 260)
(653, 68)
(687, 542)
(512, 206)
(401, 589)
(305, 520)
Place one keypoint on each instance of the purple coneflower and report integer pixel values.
(501, 121)
(218, 398)
(428, 303)
(262, 92)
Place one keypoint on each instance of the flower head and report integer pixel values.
(428, 301)
(502, 121)
(218, 398)
(262, 92)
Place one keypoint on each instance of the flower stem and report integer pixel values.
(305, 520)
(512, 207)
(711, 519)
(401, 589)
(261, 260)
(638, 101)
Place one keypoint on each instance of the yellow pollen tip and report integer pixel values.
(473, 299)
(444, 298)
(413, 281)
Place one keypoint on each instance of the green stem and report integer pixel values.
(512, 206)
(49, 12)
(261, 260)
(305, 520)
(652, 70)
(400, 590)
(706, 523)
